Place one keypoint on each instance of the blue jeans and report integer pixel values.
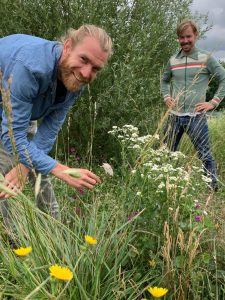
(196, 128)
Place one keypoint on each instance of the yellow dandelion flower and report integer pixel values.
(90, 240)
(152, 263)
(22, 251)
(157, 292)
(61, 273)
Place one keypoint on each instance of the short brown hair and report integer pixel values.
(77, 35)
(186, 23)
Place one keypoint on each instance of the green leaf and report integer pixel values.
(73, 172)
(208, 223)
(179, 261)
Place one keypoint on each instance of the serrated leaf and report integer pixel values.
(72, 172)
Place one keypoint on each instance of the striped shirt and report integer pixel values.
(186, 78)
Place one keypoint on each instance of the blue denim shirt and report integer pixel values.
(32, 62)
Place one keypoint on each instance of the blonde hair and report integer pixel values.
(77, 35)
(186, 23)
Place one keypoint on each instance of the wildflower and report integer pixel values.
(205, 212)
(108, 169)
(22, 251)
(132, 215)
(133, 171)
(156, 136)
(90, 240)
(161, 185)
(81, 191)
(157, 292)
(77, 210)
(61, 273)
(197, 205)
(198, 218)
(206, 179)
(152, 263)
(72, 149)
(134, 135)
(138, 193)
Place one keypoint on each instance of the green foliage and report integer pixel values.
(213, 86)
(155, 224)
(128, 90)
(216, 125)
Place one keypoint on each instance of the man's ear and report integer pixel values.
(67, 47)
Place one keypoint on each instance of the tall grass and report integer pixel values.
(144, 220)
(154, 221)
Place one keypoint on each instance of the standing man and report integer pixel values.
(184, 85)
(46, 78)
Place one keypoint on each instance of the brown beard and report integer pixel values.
(68, 79)
(66, 75)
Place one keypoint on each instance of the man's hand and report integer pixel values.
(15, 180)
(87, 179)
(203, 106)
(170, 102)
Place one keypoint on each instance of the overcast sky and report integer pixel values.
(215, 38)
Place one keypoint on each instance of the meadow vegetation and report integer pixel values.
(153, 220)
(153, 223)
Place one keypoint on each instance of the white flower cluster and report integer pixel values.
(165, 170)
(129, 136)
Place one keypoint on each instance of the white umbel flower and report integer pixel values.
(108, 169)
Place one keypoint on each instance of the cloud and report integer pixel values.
(214, 40)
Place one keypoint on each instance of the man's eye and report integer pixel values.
(84, 60)
(96, 70)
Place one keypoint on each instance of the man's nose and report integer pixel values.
(86, 71)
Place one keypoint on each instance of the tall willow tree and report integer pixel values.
(128, 90)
